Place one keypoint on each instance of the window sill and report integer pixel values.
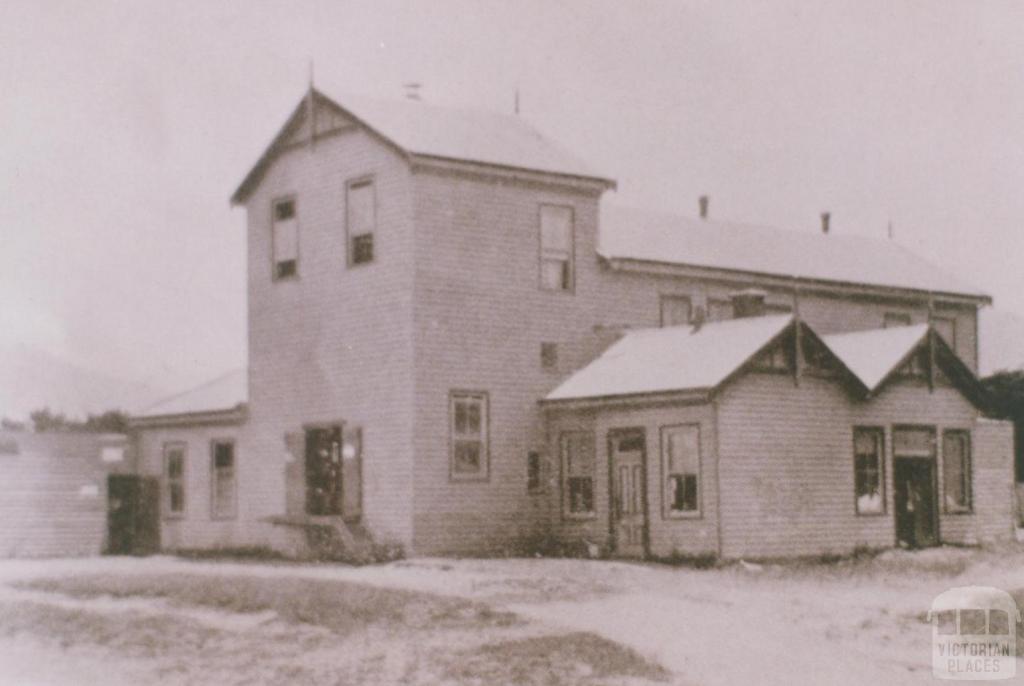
(579, 516)
(684, 516)
(468, 479)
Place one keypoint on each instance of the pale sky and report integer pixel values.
(124, 128)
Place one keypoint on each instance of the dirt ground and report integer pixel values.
(424, 621)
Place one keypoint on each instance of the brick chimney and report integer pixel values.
(825, 216)
(703, 202)
(748, 303)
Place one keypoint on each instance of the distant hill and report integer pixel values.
(31, 379)
(1002, 341)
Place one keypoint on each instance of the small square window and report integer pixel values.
(556, 248)
(362, 248)
(892, 319)
(549, 355)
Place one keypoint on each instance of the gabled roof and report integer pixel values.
(672, 359)
(417, 128)
(628, 234)
(225, 393)
(874, 355)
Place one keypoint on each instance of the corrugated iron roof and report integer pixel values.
(672, 359)
(666, 238)
(465, 134)
(226, 392)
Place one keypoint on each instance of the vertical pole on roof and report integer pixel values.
(311, 108)
(798, 345)
(931, 342)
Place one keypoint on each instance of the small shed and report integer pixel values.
(55, 495)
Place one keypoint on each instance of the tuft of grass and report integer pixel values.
(574, 658)
(246, 553)
(341, 606)
(706, 560)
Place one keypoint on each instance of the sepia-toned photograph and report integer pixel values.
(536, 342)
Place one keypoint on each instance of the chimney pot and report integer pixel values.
(703, 202)
(748, 303)
(825, 216)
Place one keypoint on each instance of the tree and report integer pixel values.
(112, 421)
(1006, 393)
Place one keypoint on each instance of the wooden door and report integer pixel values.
(628, 493)
(915, 501)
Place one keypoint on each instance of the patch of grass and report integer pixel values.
(246, 553)
(341, 606)
(575, 658)
(697, 561)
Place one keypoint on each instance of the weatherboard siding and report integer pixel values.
(55, 494)
(335, 343)
(786, 465)
(196, 527)
(691, 535)
(480, 320)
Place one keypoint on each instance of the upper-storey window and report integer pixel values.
(556, 248)
(360, 220)
(892, 319)
(285, 239)
(675, 310)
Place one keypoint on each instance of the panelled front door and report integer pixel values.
(628, 496)
(915, 501)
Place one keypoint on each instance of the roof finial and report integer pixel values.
(310, 73)
(890, 230)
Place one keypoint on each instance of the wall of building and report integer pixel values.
(480, 318)
(786, 466)
(55, 492)
(335, 343)
(197, 527)
(690, 535)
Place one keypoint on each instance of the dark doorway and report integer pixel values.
(627, 452)
(133, 515)
(323, 470)
(914, 499)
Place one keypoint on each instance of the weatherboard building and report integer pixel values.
(454, 346)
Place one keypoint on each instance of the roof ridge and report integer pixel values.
(193, 389)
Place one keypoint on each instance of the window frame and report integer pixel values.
(967, 509)
(215, 513)
(667, 511)
(879, 432)
(292, 198)
(484, 474)
(532, 487)
(563, 459)
(905, 319)
(667, 297)
(168, 448)
(365, 179)
(549, 356)
(571, 287)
